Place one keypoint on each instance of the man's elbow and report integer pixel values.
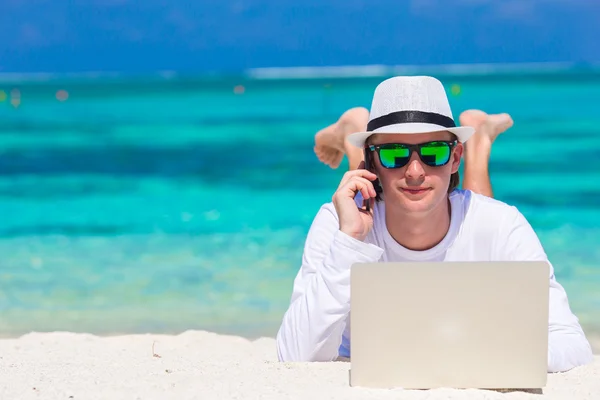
(585, 353)
(290, 350)
(284, 354)
(571, 352)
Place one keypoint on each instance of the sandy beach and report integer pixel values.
(203, 365)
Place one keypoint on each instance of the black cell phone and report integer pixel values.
(367, 157)
(376, 184)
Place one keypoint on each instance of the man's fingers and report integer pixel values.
(357, 172)
(358, 184)
(369, 187)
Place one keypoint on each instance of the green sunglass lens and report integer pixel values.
(435, 153)
(394, 156)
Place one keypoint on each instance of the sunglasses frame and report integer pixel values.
(411, 149)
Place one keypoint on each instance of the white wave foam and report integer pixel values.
(358, 71)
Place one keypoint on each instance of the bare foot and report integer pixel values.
(487, 127)
(330, 141)
(479, 148)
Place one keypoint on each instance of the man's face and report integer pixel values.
(416, 186)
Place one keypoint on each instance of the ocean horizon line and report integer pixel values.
(316, 72)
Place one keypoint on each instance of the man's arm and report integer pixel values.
(567, 345)
(313, 325)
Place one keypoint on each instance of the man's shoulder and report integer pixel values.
(478, 203)
(489, 223)
(493, 221)
(483, 214)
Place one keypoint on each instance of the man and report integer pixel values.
(412, 152)
(331, 144)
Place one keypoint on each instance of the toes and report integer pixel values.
(335, 159)
(502, 122)
(335, 163)
(330, 157)
(320, 154)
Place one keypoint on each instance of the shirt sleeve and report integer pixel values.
(313, 325)
(567, 345)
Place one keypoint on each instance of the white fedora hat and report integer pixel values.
(410, 105)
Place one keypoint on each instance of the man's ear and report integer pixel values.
(456, 156)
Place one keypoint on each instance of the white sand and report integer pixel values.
(201, 365)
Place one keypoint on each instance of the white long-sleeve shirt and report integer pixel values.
(316, 325)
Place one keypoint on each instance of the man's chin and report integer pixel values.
(414, 202)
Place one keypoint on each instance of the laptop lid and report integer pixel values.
(424, 325)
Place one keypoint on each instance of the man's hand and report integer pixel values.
(355, 222)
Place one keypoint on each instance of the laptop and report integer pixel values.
(425, 325)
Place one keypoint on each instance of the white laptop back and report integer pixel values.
(450, 324)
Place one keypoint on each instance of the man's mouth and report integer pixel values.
(415, 190)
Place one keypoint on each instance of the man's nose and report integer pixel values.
(414, 169)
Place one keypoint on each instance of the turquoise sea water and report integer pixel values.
(165, 205)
